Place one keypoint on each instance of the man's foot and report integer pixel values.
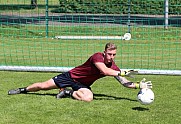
(14, 91)
(17, 91)
(64, 93)
(61, 94)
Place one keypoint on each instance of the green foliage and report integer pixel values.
(91, 6)
(175, 7)
(117, 6)
(112, 104)
(97, 6)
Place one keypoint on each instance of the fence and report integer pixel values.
(57, 35)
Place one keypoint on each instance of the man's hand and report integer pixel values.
(143, 84)
(128, 73)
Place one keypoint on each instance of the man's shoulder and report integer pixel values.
(97, 57)
(97, 54)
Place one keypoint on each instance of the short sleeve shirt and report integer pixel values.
(87, 73)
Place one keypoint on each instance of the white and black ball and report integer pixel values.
(145, 96)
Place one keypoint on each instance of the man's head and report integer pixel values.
(109, 52)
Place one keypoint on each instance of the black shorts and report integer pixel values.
(64, 80)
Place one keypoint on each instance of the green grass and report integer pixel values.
(149, 48)
(137, 53)
(26, 1)
(112, 103)
(15, 6)
(25, 44)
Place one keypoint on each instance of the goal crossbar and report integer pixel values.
(127, 36)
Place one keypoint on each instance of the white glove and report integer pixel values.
(128, 73)
(143, 84)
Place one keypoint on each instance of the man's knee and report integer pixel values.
(84, 94)
(88, 98)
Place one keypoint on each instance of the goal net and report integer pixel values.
(57, 35)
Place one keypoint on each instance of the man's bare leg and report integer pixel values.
(83, 94)
(47, 85)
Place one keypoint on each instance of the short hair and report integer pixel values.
(110, 46)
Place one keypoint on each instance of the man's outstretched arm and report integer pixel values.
(105, 70)
(129, 84)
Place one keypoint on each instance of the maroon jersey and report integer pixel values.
(87, 73)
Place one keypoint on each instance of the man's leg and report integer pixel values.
(64, 92)
(83, 94)
(47, 85)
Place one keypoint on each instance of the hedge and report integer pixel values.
(117, 6)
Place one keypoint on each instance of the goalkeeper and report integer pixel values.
(81, 78)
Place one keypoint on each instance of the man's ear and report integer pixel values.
(104, 53)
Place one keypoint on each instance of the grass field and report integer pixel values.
(26, 45)
(55, 53)
(112, 104)
(23, 42)
(26, 1)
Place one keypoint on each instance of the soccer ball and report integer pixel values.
(145, 96)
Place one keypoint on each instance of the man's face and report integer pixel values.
(109, 55)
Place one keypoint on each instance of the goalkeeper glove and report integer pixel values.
(128, 73)
(143, 84)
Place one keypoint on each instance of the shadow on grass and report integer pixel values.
(140, 109)
(109, 97)
(96, 96)
(43, 94)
